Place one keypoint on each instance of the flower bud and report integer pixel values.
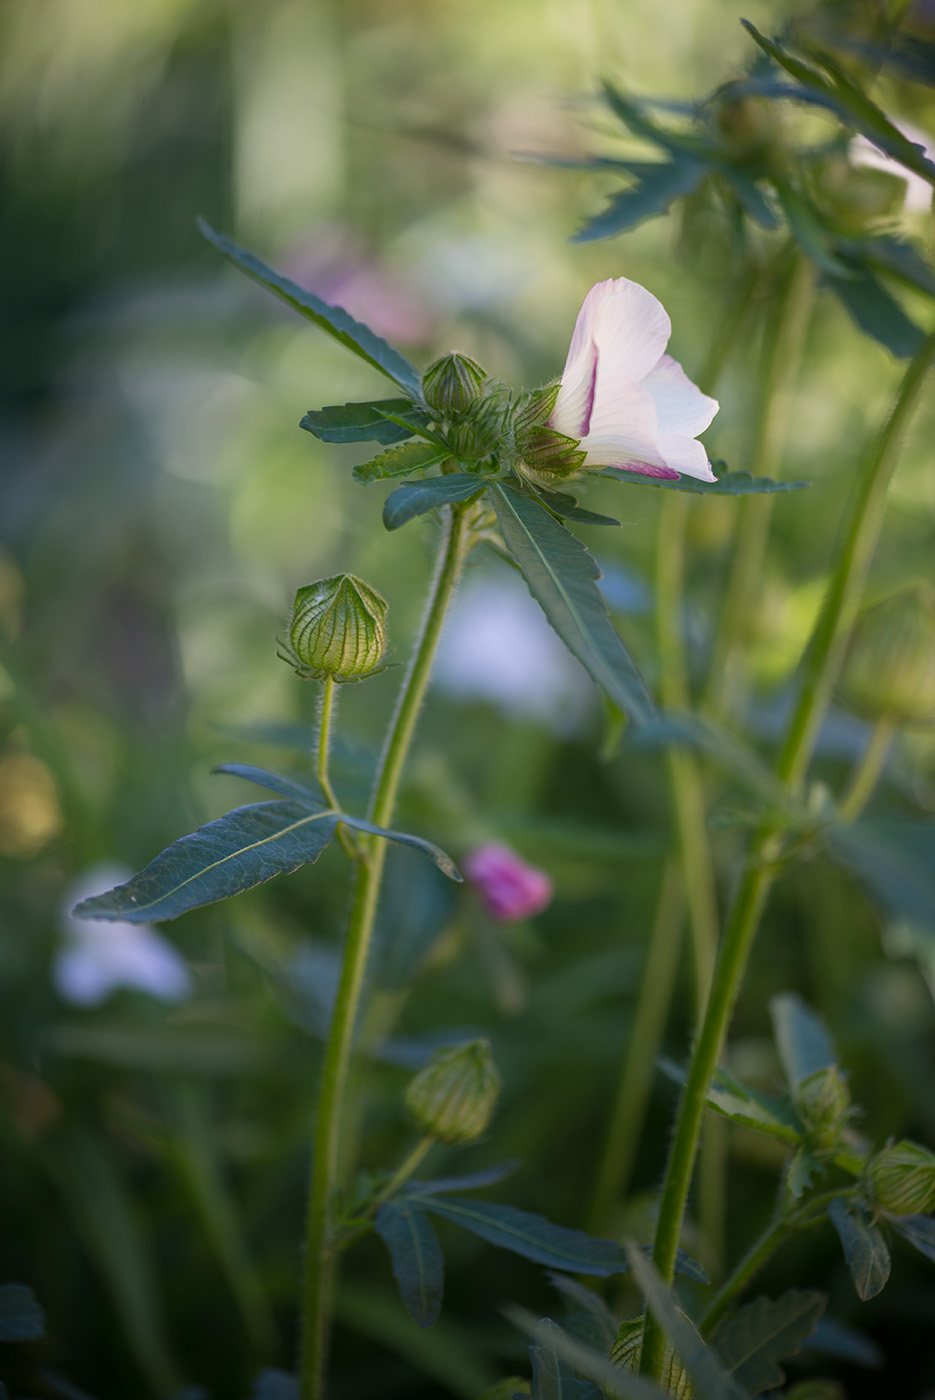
(889, 670)
(338, 629)
(452, 384)
(902, 1178)
(509, 889)
(627, 1349)
(823, 1100)
(453, 1097)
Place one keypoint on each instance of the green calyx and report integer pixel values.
(902, 1179)
(823, 1100)
(454, 1096)
(889, 670)
(452, 384)
(546, 455)
(337, 630)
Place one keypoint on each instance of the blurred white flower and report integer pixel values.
(918, 198)
(627, 402)
(100, 955)
(498, 646)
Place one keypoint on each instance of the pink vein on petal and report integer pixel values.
(589, 400)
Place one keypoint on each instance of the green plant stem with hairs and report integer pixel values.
(820, 667)
(321, 1239)
(325, 721)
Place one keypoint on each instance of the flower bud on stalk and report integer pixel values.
(338, 630)
(823, 1100)
(889, 670)
(452, 384)
(453, 1097)
(902, 1178)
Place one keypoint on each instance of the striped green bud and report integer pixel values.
(889, 670)
(338, 629)
(823, 1099)
(452, 384)
(454, 1096)
(902, 1178)
(627, 1349)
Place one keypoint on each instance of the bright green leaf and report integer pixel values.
(865, 1249)
(400, 461)
(764, 1332)
(418, 1264)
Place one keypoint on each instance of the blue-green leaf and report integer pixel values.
(655, 189)
(417, 497)
(589, 1317)
(865, 1249)
(221, 859)
(560, 503)
(553, 1377)
(532, 1236)
(275, 1385)
(435, 853)
(894, 256)
(418, 1264)
(292, 788)
(810, 232)
(764, 1332)
(728, 484)
(681, 730)
(896, 861)
(333, 320)
(400, 461)
(919, 1230)
(561, 576)
(802, 1039)
(21, 1317)
(701, 1362)
(744, 1105)
(472, 1181)
(877, 313)
(616, 1381)
(358, 422)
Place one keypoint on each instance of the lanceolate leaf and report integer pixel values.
(589, 1317)
(865, 1249)
(803, 1042)
(333, 320)
(532, 1236)
(314, 799)
(919, 1230)
(417, 497)
(418, 1264)
(877, 313)
(357, 422)
(223, 858)
(748, 1106)
(560, 503)
(487, 1176)
(561, 576)
(400, 461)
(444, 862)
(729, 484)
(896, 861)
(553, 1376)
(764, 1332)
(655, 189)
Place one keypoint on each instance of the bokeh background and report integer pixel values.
(159, 508)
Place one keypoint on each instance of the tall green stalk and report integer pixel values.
(819, 671)
(320, 1232)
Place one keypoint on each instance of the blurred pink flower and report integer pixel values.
(509, 888)
(628, 403)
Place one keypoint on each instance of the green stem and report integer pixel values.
(867, 772)
(320, 1235)
(325, 719)
(820, 667)
(782, 351)
(403, 1172)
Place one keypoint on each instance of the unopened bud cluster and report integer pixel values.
(823, 1101)
(889, 670)
(902, 1179)
(454, 1096)
(337, 630)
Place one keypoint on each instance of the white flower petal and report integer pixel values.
(680, 404)
(686, 456)
(623, 424)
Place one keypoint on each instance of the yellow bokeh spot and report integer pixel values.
(30, 814)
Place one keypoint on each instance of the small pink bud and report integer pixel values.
(509, 889)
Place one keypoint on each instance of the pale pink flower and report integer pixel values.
(628, 403)
(509, 889)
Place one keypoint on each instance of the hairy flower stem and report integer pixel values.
(782, 352)
(321, 1225)
(325, 720)
(820, 667)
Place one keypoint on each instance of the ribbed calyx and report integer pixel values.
(902, 1178)
(546, 454)
(338, 629)
(452, 384)
(889, 670)
(823, 1101)
(454, 1096)
(626, 1352)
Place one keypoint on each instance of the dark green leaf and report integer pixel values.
(417, 497)
(561, 576)
(616, 1381)
(358, 422)
(588, 1314)
(801, 1171)
(764, 1332)
(810, 232)
(221, 859)
(896, 861)
(487, 1176)
(701, 1362)
(532, 1236)
(636, 120)
(893, 256)
(418, 1265)
(919, 1230)
(400, 461)
(910, 55)
(747, 1106)
(801, 1037)
(728, 484)
(672, 729)
(276, 782)
(877, 313)
(553, 1377)
(751, 197)
(21, 1317)
(654, 191)
(559, 503)
(333, 320)
(275, 1385)
(444, 862)
(865, 1249)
